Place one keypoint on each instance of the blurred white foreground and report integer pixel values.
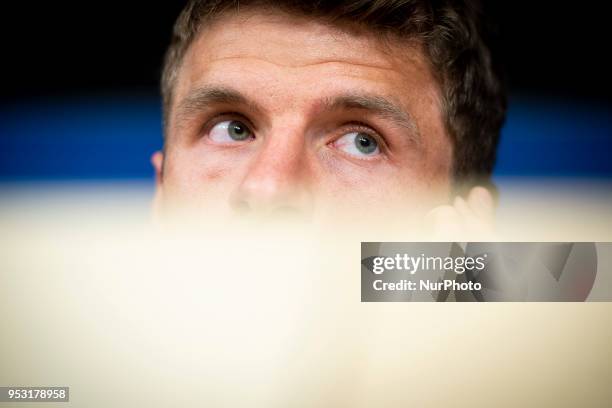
(127, 314)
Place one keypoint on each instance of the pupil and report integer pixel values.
(238, 131)
(365, 143)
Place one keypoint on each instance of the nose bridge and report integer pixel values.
(276, 179)
(281, 154)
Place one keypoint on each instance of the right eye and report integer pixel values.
(230, 131)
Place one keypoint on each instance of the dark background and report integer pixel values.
(81, 87)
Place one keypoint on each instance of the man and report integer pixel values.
(321, 109)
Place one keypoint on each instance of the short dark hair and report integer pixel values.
(454, 40)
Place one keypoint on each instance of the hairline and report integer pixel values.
(170, 79)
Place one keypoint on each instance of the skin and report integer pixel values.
(304, 89)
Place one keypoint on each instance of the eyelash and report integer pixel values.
(220, 117)
(354, 126)
(361, 127)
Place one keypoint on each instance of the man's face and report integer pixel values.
(276, 114)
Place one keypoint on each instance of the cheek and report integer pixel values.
(193, 171)
(384, 190)
(350, 186)
(214, 174)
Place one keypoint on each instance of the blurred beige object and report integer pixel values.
(127, 314)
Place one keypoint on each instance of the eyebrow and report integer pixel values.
(201, 98)
(377, 105)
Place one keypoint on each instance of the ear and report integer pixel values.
(157, 160)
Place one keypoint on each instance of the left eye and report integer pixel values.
(230, 131)
(358, 144)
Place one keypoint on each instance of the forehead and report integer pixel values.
(272, 54)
